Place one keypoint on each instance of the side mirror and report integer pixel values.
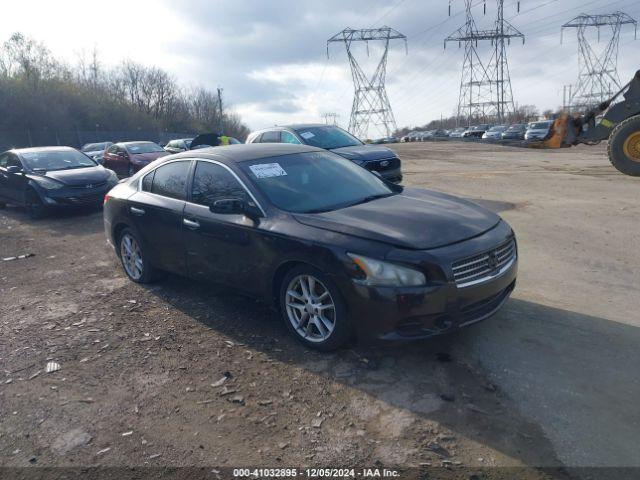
(14, 169)
(237, 206)
(228, 206)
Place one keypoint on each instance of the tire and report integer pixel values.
(624, 146)
(141, 271)
(34, 205)
(325, 328)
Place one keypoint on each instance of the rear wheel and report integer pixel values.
(134, 260)
(624, 146)
(313, 309)
(34, 205)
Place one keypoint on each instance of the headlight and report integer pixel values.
(112, 179)
(381, 273)
(48, 184)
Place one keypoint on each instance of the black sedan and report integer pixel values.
(330, 137)
(337, 249)
(47, 177)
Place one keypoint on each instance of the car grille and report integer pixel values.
(92, 198)
(383, 164)
(87, 187)
(484, 266)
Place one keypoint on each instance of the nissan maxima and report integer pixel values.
(50, 177)
(337, 249)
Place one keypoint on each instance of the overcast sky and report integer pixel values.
(270, 56)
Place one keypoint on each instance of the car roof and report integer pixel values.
(41, 149)
(130, 142)
(242, 152)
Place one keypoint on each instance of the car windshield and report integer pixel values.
(94, 147)
(516, 128)
(327, 137)
(540, 125)
(56, 160)
(143, 147)
(498, 128)
(313, 182)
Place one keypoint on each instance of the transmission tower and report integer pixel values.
(370, 102)
(597, 71)
(330, 118)
(485, 87)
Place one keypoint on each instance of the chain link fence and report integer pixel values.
(77, 138)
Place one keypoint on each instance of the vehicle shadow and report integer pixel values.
(436, 380)
(72, 220)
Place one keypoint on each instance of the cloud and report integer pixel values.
(270, 56)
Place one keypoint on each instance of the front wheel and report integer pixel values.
(34, 205)
(134, 260)
(624, 146)
(313, 309)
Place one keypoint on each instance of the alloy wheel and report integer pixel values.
(131, 256)
(310, 308)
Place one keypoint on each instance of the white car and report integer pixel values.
(494, 133)
(538, 130)
(457, 132)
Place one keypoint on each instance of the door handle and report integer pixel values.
(137, 211)
(192, 224)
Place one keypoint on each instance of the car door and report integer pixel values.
(12, 185)
(156, 210)
(220, 247)
(111, 158)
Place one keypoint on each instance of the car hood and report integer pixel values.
(78, 176)
(93, 153)
(148, 157)
(364, 153)
(416, 219)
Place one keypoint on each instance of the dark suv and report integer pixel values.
(330, 137)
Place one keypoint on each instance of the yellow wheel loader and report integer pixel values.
(620, 124)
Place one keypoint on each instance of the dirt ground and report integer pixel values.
(188, 374)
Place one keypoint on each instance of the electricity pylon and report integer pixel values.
(330, 118)
(485, 88)
(370, 102)
(598, 77)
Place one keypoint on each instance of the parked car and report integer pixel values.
(494, 133)
(457, 132)
(48, 177)
(330, 137)
(515, 132)
(538, 130)
(334, 246)
(126, 158)
(178, 145)
(415, 136)
(96, 150)
(476, 131)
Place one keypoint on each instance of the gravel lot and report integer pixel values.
(182, 373)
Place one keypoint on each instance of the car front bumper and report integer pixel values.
(413, 313)
(70, 197)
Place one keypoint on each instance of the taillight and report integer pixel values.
(106, 199)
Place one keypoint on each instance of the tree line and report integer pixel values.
(39, 91)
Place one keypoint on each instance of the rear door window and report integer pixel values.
(170, 180)
(270, 137)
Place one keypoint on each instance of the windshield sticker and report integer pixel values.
(307, 135)
(267, 170)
